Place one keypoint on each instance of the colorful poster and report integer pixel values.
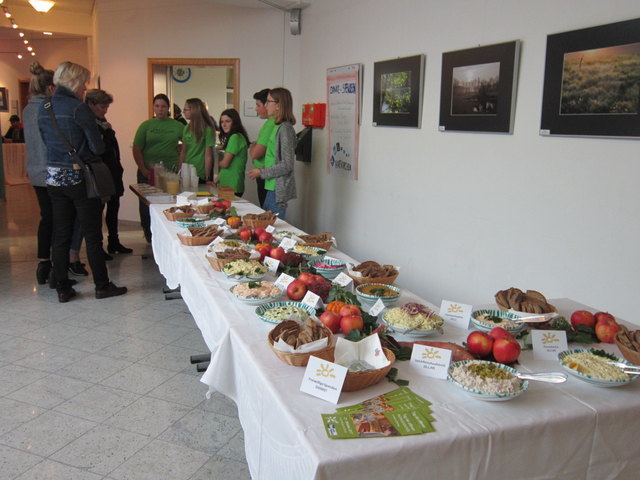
(343, 98)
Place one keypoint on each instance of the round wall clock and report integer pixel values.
(181, 74)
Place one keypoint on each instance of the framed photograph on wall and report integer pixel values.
(478, 88)
(592, 82)
(397, 92)
(4, 100)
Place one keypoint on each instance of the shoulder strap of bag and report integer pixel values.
(70, 150)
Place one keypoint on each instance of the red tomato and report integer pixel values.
(351, 322)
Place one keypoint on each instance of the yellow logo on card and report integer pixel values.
(454, 308)
(430, 354)
(548, 338)
(325, 371)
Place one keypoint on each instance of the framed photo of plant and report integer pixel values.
(397, 92)
(478, 88)
(4, 100)
(592, 82)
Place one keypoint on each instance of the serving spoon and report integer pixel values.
(550, 377)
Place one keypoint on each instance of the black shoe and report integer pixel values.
(107, 257)
(65, 295)
(53, 283)
(110, 291)
(42, 271)
(77, 269)
(118, 248)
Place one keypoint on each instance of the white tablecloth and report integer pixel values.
(573, 430)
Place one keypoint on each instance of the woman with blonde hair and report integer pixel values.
(74, 125)
(280, 181)
(198, 138)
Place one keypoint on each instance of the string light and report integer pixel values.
(14, 26)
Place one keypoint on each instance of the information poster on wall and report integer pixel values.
(344, 99)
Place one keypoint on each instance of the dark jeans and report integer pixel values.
(145, 216)
(262, 193)
(111, 218)
(45, 227)
(68, 204)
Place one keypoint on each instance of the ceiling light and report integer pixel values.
(47, 33)
(42, 6)
(14, 25)
(30, 48)
(33, 54)
(21, 34)
(7, 14)
(25, 41)
(20, 55)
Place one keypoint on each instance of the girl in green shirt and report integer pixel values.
(235, 142)
(198, 138)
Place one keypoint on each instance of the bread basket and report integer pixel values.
(250, 221)
(172, 214)
(362, 280)
(321, 240)
(366, 378)
(302, 359)
(218, 263)
(205, 209)
(194, 239)
(629, 354)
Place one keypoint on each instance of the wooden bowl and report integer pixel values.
(631, 355)
(359, 380)
(302, 359)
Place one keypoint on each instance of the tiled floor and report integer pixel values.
(102, 389)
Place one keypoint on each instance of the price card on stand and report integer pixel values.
(323, 379)
(430, 361)
(547, 344)
(377, 308)
(312, 299)
(272, 263)
(219, 221)
(270, 229)
(456, 313)
(287, 243)
(218, 239)
(283, 281)
(344, 280)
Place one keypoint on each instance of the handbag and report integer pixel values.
(97, 176)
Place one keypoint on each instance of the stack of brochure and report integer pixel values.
(399, 412)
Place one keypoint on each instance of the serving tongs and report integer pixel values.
(530, 319)
(550, 377)
(628, 369)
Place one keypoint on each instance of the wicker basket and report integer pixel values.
(218, 263)
(173, 216)
(359, 380)
(302, 359)
(254, 223)
(191, 241)
(630, 355)
(325, 243)
(205, 209)
(226, 193)
(384, 280)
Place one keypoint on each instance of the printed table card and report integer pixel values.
(270, 229)
(430, 361)
(287, 243)
(219, 221)
(547, 344)
(323, 379)
(218, 240)
(377, 308)
(344, 281)
(273, 264)
(456, 313)
(283, 281)
(311, 299)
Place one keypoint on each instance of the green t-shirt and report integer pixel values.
(233, 175)
(158, 140)
(263, 139)
(195, 150)
(270, 157)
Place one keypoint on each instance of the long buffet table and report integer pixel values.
(573, 430)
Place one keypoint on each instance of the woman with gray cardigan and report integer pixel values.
(280, 182)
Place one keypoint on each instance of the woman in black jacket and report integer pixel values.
(99, 101)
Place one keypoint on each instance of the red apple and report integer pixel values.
(506, 350)
(296, 290)
(350, 310)
(264, 237)
(351, 322)
(499, 332)
(582, 317)
(277, 253)
(331, 320)
(264, 251)
(479, 343)
(244, 234)
(306, 277)
(605, 317)
(259, 231)
(226, 204)
(606, 332)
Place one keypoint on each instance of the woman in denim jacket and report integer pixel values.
(65, 182)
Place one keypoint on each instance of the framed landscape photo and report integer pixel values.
(4, 100)
(397, 92)
(592, 82)
(478, 88)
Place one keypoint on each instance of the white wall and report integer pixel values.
(466, 215)
(131, 32)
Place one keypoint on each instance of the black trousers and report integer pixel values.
(45, 227)
(262, 193)
(111, 218)
(145, 216)
(68, 204)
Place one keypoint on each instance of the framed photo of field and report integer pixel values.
(4, 100)
(592, 82)
(478, 88)
(397, 92)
